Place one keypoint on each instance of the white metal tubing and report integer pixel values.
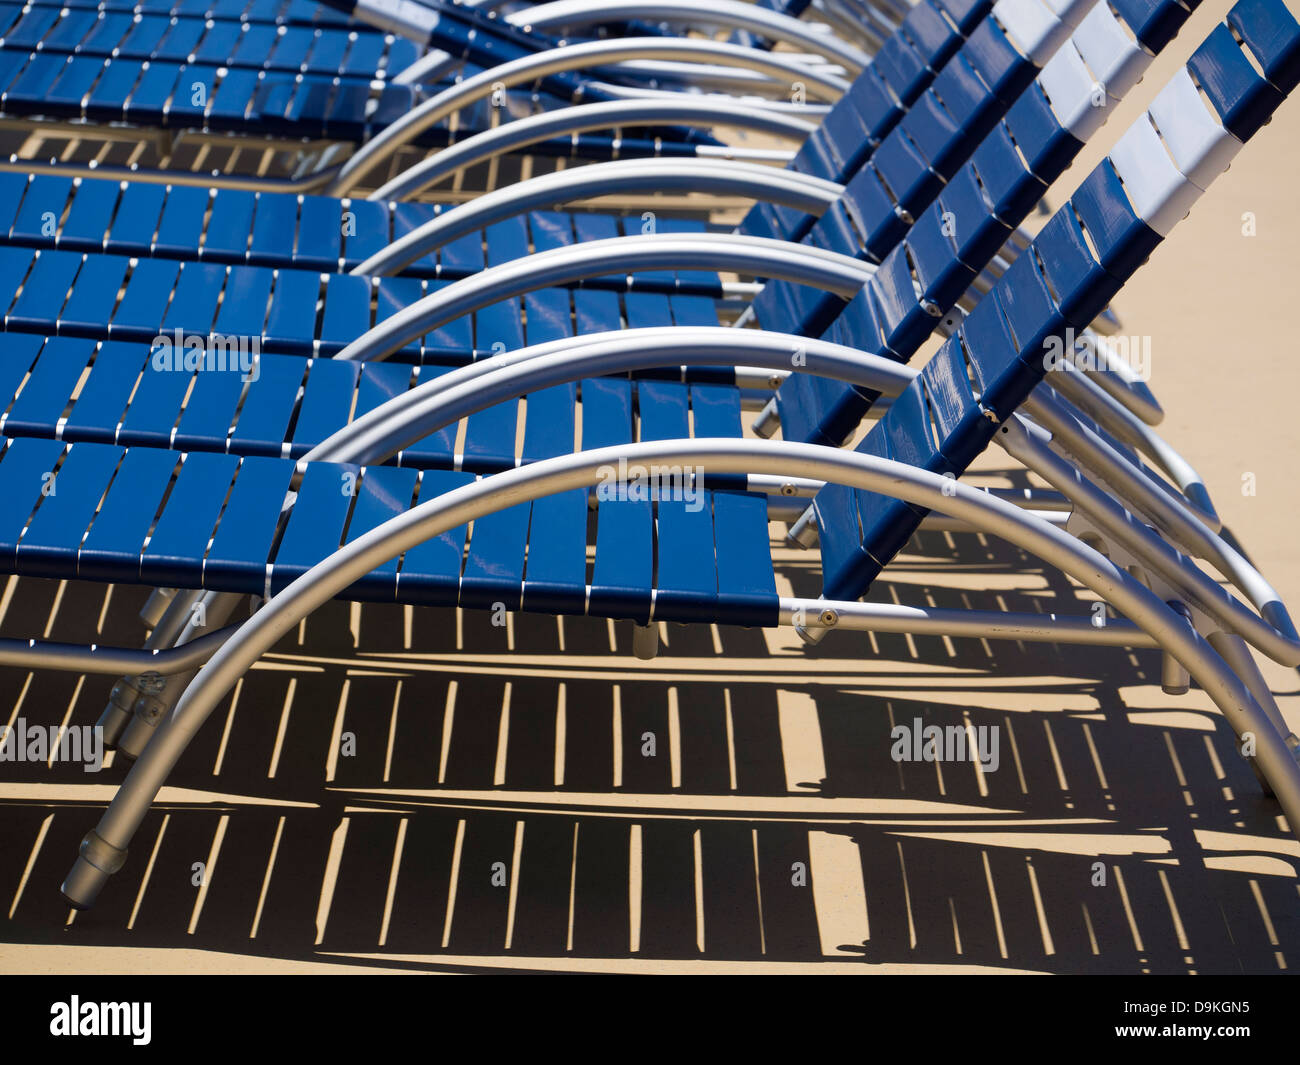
(529, 69)
(574, 14)
(761, 256)
(104, 849)
(717, 177)
(704, 112)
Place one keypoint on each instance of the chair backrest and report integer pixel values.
(927, 265)
(878, 99)
(903, 69)
(263, 67)
(1079, 260)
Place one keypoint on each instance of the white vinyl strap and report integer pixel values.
(1158, 191)
(1114, 59)
(1201, 147)
(1033, 29)
(1077, 98)
(1070, 11)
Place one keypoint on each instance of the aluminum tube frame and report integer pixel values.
(723, 178)
(729, 14)
(969, 624)
(97, 658)
(1182, 525)
(405, 419)
(1120, 381)
(1020, 441)
(744, 87)
(104, 849)
(1086, 393)
(509, 136)
(528, 69)
(409, 417)
(762, 89)
(762, 256)
(432, 66)
(1070, 433)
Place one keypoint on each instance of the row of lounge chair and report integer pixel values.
(213, 471)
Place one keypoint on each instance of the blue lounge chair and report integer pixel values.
(99, 69)
(64, 281)
(964, 398)
(276, 399)
(873, 105)
(188, 71)
(288, 400)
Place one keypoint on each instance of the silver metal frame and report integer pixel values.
(571, 57)
(727, 14)
(762, 256)
(405, 419)
(99, 658)
(701, 113)
(104, 850)
(620, 177)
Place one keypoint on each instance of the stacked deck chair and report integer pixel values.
(71, 289)
(279, 414)
(327, 240)
(231, 76)
(509, 236)
(874, 496)
(334, 235)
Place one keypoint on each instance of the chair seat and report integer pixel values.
(219, 529)
(295, 404)
(280, 12)
(338, 48)
(280, 230)
(70, 294)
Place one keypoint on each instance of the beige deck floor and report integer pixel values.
(771, 829)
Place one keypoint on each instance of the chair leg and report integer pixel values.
(155, 700)
(129, 690)
(1233, 650)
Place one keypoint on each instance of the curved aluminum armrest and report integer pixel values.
(406, 418)
(712, 176)
(529, 69)
(104, 850)
(574, 14)
(580, 118)
(760, 256)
